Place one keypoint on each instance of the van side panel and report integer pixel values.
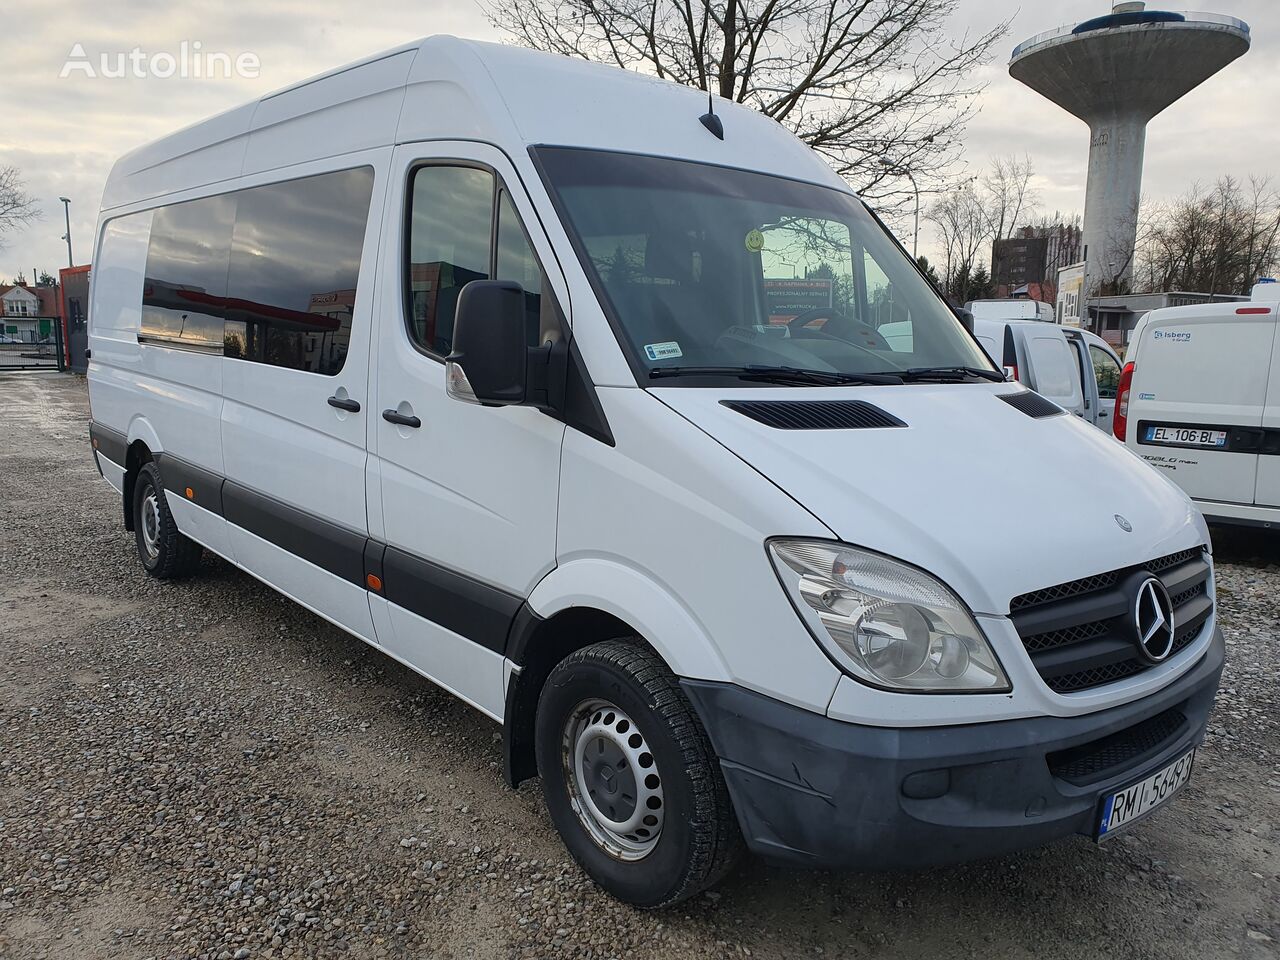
(344, 112)
(170, 399)
(1268, 490)
(115, 304)
(206, 153)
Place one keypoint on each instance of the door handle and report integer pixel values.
(400, 419)
(351, 406)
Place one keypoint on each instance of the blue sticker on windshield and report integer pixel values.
(663, 351)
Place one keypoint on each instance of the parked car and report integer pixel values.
(501, 362)
(8, 339)
(1011, 308)
(1038, 355)
(1200, 400)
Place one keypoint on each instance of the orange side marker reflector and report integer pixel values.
(191, 494)
(374, 581)
(95, 443)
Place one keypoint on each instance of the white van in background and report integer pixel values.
(1200, 400)
(1035, 354)
(1099, 368)
(1011, 308)
(503, 362)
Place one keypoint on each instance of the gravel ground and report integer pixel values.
(207, 770)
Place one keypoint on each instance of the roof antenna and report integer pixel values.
(711, 121)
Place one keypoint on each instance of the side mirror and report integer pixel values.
(966, 318)
(492, 363)
(489, 361)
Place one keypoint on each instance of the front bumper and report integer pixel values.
(819, 792)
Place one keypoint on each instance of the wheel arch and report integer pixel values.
(142, 445)
(580, 604)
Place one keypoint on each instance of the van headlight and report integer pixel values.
(887, 624)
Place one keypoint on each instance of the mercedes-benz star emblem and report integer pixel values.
(1153, 619)
(1124, 524)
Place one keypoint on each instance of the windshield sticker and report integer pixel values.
(663, 351)
(755, 241)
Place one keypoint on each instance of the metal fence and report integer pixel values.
(45, 354)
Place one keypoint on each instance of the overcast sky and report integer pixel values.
(64, 134)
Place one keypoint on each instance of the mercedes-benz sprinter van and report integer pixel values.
(1200, 401)
(567, 391)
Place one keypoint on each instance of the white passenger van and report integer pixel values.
(1200, 400)
(486, 357)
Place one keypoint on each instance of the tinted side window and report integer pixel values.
(450, 227)
(295, 260)
(1107, 373)
(184, 294)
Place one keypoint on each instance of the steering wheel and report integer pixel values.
(856, 331)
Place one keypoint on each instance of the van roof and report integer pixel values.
(443, 87)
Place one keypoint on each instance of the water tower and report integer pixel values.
(1115, 73)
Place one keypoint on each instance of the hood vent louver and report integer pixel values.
(1032, 404)
(815, 414)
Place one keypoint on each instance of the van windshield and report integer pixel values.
(711, 270)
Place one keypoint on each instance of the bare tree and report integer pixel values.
(878, 87)
(960, 218)
(17, 207)
(1216, 240)
(1008, 194)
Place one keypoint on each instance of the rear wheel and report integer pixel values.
(165, 553)
(630, 778)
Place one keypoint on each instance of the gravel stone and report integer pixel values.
(205, 770)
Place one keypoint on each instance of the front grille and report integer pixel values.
(1091, 762)
(1121, 670)
(1064, 590)
(1060, 638)
(1080, 634)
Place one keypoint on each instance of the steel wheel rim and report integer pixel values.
(151, 523)
(614, 784)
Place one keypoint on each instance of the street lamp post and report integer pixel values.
(66, 209)
(904, 172)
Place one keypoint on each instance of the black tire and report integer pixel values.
(171, 556)
(699, 841)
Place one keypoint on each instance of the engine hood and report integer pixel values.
(990, 500)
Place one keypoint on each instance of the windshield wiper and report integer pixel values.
(949, 374)
(768, 374)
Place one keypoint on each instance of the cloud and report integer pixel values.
(65, 134)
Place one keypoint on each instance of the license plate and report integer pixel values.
(1187, 436)
(1135, 802)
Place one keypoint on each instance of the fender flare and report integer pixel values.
(140, 429)
(640, 600)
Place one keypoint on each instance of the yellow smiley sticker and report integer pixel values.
(755, 241)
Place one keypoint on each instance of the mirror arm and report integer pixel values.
(546, 371)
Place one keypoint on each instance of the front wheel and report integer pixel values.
(165, 553)
(630, 778)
